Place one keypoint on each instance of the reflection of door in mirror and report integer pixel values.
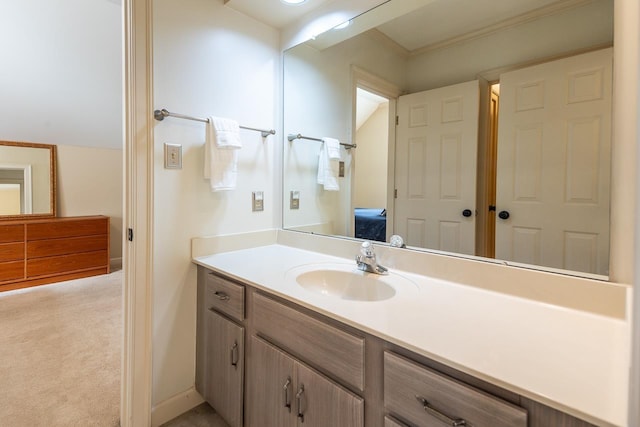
(554, 151)
(436, 152)
(15, 190)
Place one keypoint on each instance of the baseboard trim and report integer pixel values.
(174, 406)
(115, 264)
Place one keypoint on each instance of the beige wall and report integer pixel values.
(90, 183)
(370, 180)
(9, 199)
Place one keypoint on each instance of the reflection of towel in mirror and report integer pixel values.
(328, 164)
(221, 153)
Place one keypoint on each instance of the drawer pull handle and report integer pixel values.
(287, 398)
(234, 355)
(222, 296)
(299, 401)
(439, 415)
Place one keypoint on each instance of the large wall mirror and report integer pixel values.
(27, 180)
(481, 128)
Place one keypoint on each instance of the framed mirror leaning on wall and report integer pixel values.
(493, 140)
(27, 180)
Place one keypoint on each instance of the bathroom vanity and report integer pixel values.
(273, 350)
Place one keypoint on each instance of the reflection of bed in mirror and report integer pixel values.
(371, 224)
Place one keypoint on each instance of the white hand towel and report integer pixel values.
(333, 147)
(221, 153)
(328, 170)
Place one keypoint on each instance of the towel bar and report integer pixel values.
(291, 137)
(161, 114)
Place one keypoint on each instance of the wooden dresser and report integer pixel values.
(36, 252)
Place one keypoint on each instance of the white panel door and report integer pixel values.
(554, 144)
(436, 154)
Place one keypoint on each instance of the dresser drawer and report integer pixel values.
(67, 263)
(325, 347)
(55, 247)
(76, 227)
(11, 233)
(422, 396)
(224, 296)
(11, 252)
(11, 271)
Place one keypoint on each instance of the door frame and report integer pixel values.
(363, 79)
(136, 375)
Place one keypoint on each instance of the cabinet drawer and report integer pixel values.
(323, 346)
(406, 381)
(54, 247)
(11, 233)
(11, 271)
(68, 228)
(390, 422)
(11, 252)
(66, 263)
(224, 296)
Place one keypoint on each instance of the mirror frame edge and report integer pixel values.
(52, 178)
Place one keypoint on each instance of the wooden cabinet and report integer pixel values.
(305, 370)
(427, 398)
(220, 346)
(224, 368)
(283, 392)
(36, 252)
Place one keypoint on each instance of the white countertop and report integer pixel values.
(571, 360)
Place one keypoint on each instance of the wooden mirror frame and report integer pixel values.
(52, 181)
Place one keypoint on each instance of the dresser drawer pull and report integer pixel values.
(439, 415)
(299, 399)
(287, 398)
(234, 355)
(222, 296)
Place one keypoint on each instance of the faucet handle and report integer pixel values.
(367, 249)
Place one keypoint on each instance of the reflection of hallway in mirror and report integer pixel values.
(369, 200)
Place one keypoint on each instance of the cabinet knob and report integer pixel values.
(453, 422)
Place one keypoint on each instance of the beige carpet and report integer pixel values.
(60, 354)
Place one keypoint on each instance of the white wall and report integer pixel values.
(370, 180)
(61, 83)
(208, 60)
(61, 74)
(90, 183)
(575, 29)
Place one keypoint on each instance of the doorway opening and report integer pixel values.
(370, 171)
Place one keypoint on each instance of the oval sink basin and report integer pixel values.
(346, 282)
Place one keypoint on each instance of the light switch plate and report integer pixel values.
(294, 200)
(257, 201)
(172, 156)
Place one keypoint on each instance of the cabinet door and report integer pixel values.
(319, 402)
(271, 386)
(225, 367)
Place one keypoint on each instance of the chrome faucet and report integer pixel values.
(366, 260)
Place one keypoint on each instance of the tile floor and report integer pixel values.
(200, 416)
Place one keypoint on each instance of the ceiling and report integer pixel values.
(273, 12)
(437, 22)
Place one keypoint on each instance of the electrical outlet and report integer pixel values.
(294, 200)
(172, 156)
(257, 201)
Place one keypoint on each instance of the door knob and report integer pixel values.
(503, 215)
(467, 213)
